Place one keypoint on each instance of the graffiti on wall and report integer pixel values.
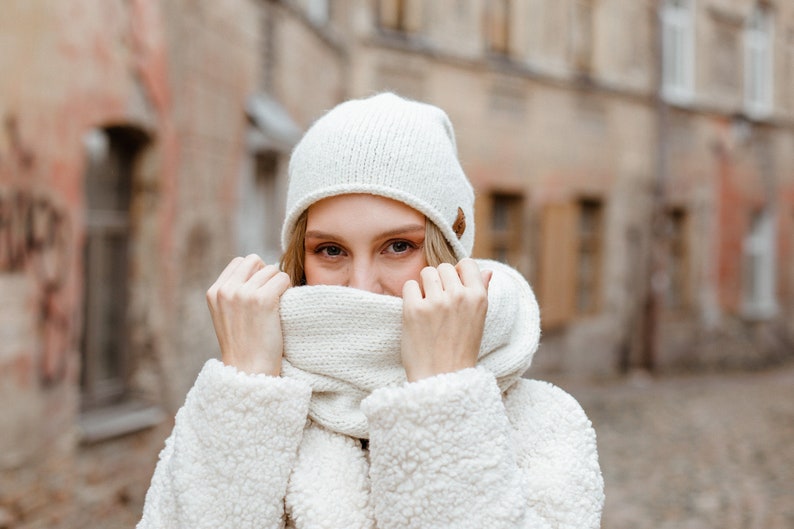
(35, 238)
(33, 233)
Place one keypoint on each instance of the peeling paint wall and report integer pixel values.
(180, 73)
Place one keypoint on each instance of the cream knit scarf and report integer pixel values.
(345, 343)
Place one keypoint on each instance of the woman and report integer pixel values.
(384, 390)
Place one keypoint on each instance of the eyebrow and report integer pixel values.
(402, 230)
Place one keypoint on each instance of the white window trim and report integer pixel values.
(759, 253)
(759, 63)
(318, 11)
(678, 52)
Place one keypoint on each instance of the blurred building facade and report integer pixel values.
(631, 158)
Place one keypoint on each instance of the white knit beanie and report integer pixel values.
(388, 146)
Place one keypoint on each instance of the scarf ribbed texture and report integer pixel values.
(345, 343)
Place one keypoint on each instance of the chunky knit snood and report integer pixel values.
(345, 343)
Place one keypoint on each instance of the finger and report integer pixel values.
(262, 276)
(250, 265)
(430, 282)
(450, 280)
(486, 277)
(469, 272)
(411, 292)
(278, 283)
(230, 268)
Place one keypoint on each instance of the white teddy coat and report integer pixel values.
(478, 448)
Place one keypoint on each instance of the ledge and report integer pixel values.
(117, 420)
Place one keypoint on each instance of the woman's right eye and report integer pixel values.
(330, 250)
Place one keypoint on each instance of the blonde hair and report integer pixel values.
(437, 249)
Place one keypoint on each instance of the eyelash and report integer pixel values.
(323, 248)
(409, 245)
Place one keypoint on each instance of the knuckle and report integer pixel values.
(477, 296)
(267, 301)
(211, 295)
(228, 293)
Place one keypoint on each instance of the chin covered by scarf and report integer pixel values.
(345, 343)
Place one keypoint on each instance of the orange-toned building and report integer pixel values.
(632, 158)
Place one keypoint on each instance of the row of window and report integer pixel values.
(571, 254)
(678, 55)
(570, 250)
(677, 18)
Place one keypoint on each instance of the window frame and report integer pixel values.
(758, 43)
(678, 51)
(582, 34)
(507, 239)
(399, 17)
(497, 27)
(759, 266)
(561, 257)
(318, 12)
(105, 222)
(592, 245)
(677, 254)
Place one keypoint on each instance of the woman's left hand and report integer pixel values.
(443, 319)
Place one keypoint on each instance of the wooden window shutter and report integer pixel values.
(412, 16)
(389, 13)
(558, 264)
(498, 30)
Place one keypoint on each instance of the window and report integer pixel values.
(401, 16)
(677, 50)
(581, 34)
(497, 26)
(676, 295)
(588, 257)
(260, 212)
(505, 228)
(111, 156)
(758, 292)
(570, 261)
(758, 62)
(723, 53)
(318, 11)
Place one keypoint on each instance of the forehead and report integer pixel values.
(362, 208)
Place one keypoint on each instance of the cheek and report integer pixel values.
(398, 275)
(319, 275)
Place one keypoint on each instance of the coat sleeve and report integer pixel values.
(228, 459)
(446, 452)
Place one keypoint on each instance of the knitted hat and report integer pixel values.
(388, 146)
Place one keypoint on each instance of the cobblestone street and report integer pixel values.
(678, 452)
(693, 452)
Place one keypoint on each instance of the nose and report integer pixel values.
(363, 276)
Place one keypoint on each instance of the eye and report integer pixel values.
(400, 247)
(330, 250)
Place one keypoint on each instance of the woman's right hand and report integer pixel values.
(244, 303)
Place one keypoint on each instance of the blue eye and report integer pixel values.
(399, 247)
(332, 251)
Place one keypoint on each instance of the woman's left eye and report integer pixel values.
(400, 247)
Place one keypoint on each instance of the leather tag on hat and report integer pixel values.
(460, 224)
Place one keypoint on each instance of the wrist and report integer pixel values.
(414, 374)
(256, 367)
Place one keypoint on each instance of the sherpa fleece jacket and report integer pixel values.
(450, 451)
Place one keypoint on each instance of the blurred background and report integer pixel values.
(633, 158)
